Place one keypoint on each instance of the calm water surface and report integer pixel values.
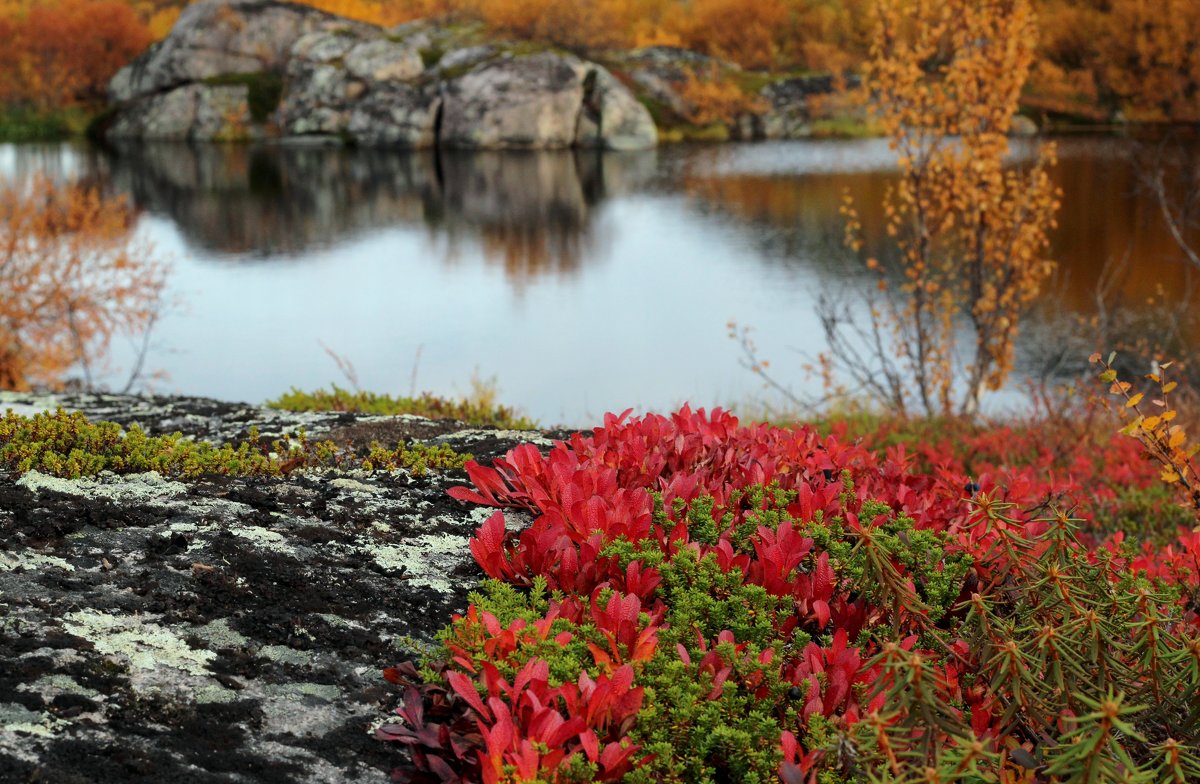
(582, 282)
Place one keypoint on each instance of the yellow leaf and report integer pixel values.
(1168, 475)
(1177, 437)
(1168, 387)
(1151, 422)
(1133, 401)
(1108, 376)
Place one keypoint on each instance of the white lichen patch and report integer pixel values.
(147, 488)
(264, 538)
(337, 620)
(214, 693)
(18, 718)
(354, 487)
(50, 686)
(32, 561)
(220, 634)
(144, 645)
(471, 436)
(26, 405)
(285, 655)
(427, 560)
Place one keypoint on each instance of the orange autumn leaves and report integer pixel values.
(1094, 56)
(63, 53)
(71, 279)
(971, 231)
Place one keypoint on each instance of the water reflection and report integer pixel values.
(585, 282)
(1108, 216)
(532, 213)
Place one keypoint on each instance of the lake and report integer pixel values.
(581, 282)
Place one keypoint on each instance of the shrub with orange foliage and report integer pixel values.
(1153, 58)
(385, 13)
(754, 35)
(971, 231)
(64, 52)
(713, 97)
(71, 278)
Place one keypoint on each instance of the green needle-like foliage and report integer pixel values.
(68, 445)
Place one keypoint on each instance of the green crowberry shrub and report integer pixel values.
(68, 445)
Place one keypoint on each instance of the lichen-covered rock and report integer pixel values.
(382, 60)
(215, 37)
(529, 102)
(221, 629)
(304, 73)
(396, 115)
(612, 119)
(345, 86)
(788, 114)
(194, 111)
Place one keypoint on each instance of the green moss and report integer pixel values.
(477, 409)
(264, 91)
(844, 128)
(23, 125)
(431, 55)
(67, 445)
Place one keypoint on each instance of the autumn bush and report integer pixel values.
(62, 53)
(72, 277)
(697, 600)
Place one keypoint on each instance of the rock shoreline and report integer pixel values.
(222, 629)
(237, 70)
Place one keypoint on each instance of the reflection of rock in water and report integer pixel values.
(530, 211)
(269, 201)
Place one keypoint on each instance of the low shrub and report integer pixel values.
(478, 409)
(698, 601)
(68, 445)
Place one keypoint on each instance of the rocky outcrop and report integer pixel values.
(780, 106)
(262, 68)
(213, 38)
(222, 629)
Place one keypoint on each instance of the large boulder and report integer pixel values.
(216, 37)
(515, 102)
(542, 101)
(612, 118)
(192, 112)
(366, 88)
(252, 69)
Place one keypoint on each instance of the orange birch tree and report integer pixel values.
(971, 229)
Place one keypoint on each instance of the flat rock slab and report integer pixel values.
(223, 629)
